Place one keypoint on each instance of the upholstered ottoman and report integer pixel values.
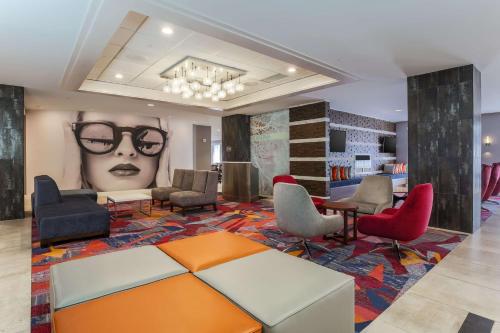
(180, 304)
(285, 293)
(80, 280)
(204, 251)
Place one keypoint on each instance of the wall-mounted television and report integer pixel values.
(337, 141)
(389, 144)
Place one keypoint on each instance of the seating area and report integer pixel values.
(221, 265)
(243, 167)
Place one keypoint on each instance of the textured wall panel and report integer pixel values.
(310, 111)
(270, 147)
(360, 142)
(236, 138)
(308, 168)
(309, 131)
(444, 133)
(318, 188)
(11, 152)
(308, 149)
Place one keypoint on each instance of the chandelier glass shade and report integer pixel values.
(200, 79)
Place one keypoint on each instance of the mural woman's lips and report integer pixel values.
(125, 170)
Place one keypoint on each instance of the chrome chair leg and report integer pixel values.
(397, 248)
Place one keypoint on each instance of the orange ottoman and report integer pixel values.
(181, 304)
(207, 250)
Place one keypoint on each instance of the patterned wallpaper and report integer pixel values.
(361, 142)
(270, 147)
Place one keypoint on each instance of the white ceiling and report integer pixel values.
(52, 45)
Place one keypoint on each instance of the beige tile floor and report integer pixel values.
(467, 280)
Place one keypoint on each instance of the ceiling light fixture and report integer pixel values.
(292, 69)
(398, 110)
(167, 30)
(202, 79)
(118, 76)
(151, 105)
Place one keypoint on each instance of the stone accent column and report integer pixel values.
(444, 143)
(11, 152)
(309, 147)
(236, 138)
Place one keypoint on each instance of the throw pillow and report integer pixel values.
(342, 173)
(348, 173)
(335, 173)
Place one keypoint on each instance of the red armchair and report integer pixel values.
(485, 179)
(493, 183)
(496, 191)
(404, 224)
(318, 202)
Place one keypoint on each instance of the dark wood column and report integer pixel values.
(11, 152)
(309, 125)
(444, 147)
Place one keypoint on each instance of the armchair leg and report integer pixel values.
(397, 249)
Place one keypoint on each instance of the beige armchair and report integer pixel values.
(373, 195)
(297, 215)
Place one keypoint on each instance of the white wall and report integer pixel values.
(45, 139)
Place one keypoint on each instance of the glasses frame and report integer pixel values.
(117, 136)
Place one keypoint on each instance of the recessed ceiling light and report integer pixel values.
(119, 76)
(167, 30)
(292, 69)
(151, 105)
(398, 110)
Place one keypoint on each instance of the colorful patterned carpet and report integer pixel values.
(380, 278)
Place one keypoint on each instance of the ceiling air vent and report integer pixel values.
(273, 78)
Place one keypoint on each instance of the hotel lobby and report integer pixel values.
(242, 167)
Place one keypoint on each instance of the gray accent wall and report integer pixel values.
(402, 142)
(490, 127)
(444, 133)
(11, 152)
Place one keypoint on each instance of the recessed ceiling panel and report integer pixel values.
(158, 60)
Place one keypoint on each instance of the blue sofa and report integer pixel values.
(61, 218)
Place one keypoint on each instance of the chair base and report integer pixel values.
(307, 247)
(397, 248)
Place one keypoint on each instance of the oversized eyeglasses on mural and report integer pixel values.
(103, 137)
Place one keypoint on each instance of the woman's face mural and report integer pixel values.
(119, 151)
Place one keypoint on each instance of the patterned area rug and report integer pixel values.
(380, 277)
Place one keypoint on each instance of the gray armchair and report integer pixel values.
(163, 193)
(297, 215)
(202, 192)
(373, 195)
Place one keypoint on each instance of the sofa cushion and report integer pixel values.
(163, 193)
(189, 198)
(204, 251)
(200, 181)
(80, 280)
(73, 217)
(177, 181)
(187, 180)
(181, 304)
(274, 287)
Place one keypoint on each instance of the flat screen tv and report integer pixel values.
(389, 144)
(337, 141)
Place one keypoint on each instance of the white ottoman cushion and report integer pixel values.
(84, 279)
(285, 293)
